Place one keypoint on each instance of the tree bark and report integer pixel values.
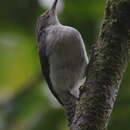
(105, 71)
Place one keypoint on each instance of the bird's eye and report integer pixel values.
(47, 16)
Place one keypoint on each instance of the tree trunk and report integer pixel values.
(108, 62)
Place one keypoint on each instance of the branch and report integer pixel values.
(105, 70)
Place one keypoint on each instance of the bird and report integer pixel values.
(63, 58)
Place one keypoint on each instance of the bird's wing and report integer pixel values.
(46, 70)
(41, 36)
(69, 103)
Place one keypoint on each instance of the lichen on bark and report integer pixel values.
(105, 71)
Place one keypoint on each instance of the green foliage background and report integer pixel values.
(25, 101)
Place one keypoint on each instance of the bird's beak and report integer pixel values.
(53, 9)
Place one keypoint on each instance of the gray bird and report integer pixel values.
(63, 59)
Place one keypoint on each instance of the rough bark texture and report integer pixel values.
(105, 70)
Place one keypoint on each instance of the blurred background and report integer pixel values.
(25, 101)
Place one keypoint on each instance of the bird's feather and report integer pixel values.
(45, 62)
(46, 70)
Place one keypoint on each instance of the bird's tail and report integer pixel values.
(69, 106)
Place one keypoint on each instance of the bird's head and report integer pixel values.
(49, 17)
